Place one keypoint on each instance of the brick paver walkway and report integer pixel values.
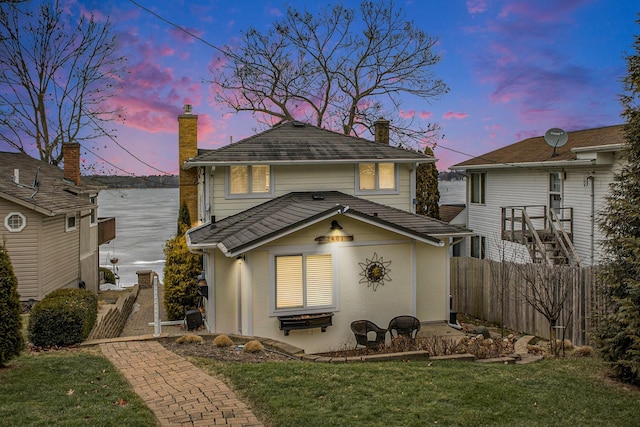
(179, 393)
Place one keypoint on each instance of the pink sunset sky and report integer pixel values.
(515, 69)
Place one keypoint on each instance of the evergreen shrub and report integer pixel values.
(181, 270)
(11, 339)
(109, 275)
(64, 317)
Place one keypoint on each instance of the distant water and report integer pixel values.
(452, 192)
(145, 219)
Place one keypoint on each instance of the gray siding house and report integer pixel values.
(49, 223)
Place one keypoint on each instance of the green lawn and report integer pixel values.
(68, 388)
(547, 393)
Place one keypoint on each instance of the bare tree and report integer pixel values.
(56, 74)
(335, 69)
(546, 289)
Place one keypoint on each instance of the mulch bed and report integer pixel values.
(234, 353)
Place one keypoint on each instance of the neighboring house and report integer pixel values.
(455, 215)
(305, 230)
(527, 201)
(49, 223)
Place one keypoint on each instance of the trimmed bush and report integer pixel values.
(11, 339)
(253, 347)
(222, 341)
(64, 317)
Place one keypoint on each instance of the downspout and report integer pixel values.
(589, 180)
(412, 184)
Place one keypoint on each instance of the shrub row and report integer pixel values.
(64, 317)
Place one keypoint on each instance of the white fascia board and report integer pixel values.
(599, 148)
(459, 234)
(395, 230)
(191, 164)
(547, 164)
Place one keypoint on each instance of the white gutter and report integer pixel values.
(545, 164)
(599, 148)
(192, 163)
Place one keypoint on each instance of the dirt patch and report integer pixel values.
(233, 353)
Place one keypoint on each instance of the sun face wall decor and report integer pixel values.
(375, 271)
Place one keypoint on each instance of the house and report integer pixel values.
(536, 201)
(49, 223)
(304, 231)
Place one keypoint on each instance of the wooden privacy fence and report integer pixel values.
(477, 286)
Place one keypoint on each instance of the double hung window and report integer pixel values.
(374, 177)
(477, 187)
(304, 282)
(249, 180)
(478, 247)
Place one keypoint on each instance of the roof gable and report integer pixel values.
(297, 142)
(534, 150)
(52, 195)
(283, 215)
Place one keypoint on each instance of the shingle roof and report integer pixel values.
(54, 194)
(449, 212)
(297, 142)
(280, 216)
(536, 149)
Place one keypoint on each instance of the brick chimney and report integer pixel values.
(187, 149)
(71, 156)
(381, 130)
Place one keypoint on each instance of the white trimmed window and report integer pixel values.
(555, 190)
(304, 282)
(93, 217)
(377, 177)
(478, 247)
(249, 180)
(477, 187)
(70, 224)
(15, 222)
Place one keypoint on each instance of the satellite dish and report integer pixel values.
(555, 137)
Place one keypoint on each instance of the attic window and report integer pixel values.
(15, 222)
(298, 124)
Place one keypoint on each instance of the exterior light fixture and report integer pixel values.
(335, 234)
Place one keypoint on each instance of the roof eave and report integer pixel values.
(543, 164)
(239, 250)
(599, 148)
(199, 163)
(429, 239)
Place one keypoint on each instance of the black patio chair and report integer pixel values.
(406, 326)
(361, 330)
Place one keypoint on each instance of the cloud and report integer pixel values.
(274, 12)
(453, 115)
(185, 36)
(426, 115)
(407, 114)
(476, 6)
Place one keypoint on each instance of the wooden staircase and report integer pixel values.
(545, 232)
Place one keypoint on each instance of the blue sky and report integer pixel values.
(515, 69)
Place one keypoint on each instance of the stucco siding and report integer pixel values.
(432, 299)
(355, 298)
(23, 249)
